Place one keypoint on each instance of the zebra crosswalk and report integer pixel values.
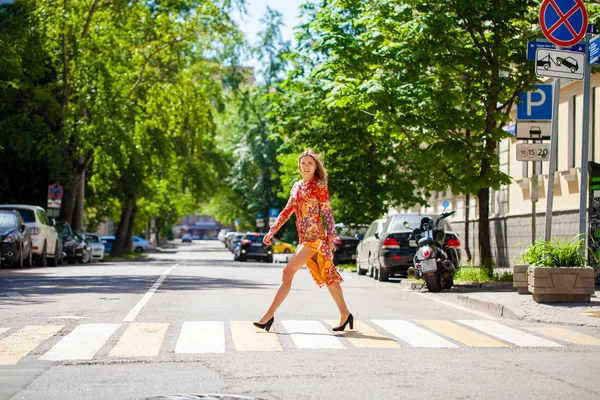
(58, 343)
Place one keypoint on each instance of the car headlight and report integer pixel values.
(68, 243)
(10, 239)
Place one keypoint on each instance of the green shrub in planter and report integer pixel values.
(557, 271)
(555, 253)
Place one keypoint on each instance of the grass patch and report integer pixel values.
(349, 267)
(476, 274)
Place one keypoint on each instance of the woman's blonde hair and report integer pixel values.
(320, 171)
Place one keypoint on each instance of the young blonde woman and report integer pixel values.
(309, 199)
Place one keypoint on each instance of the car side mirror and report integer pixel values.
(359, 236)
(23, 227)
(377, 235)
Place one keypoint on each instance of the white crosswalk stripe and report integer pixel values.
(201, 337)
(514, 336)
(197, 337)
(81, 344)
(412, 334)
(311, 335)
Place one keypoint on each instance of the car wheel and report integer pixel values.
(29, 260)
(270, 259)
(287, 251)
(42, 259)
(375, 273)
(20, 261)
(85, 256)
(360, 271)
(139, 249)
(54, 260)
(383, 275)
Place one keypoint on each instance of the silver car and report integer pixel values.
(367, 248)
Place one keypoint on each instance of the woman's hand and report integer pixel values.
(332, 247)
(267, 238)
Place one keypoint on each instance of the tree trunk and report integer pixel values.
(467, 226)
(123, 236)
(71, 190)
(485, 252)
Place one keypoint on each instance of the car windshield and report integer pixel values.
(7, 221)
(397, 224)
(93, 238)
(62, 228)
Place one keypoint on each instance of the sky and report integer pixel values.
(250, 24)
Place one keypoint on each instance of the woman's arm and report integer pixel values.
(285, 214)
(326, 210)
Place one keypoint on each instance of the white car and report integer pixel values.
(45, 243)
(140, 244)
(96, 246)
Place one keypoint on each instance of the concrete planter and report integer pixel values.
(520, 278)
(561, 285)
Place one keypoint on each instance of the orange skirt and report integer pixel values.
(323, 271)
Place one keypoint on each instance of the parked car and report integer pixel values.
(140, 244)
(366, 249)
(15, 240)
(222, 233)
(251, 246)
(74, 244)
(46, 246)
(235, 241)
(108, 242)
(346, 243)
(96, 246)
(282, 247)
(186, 238)
(392, 253)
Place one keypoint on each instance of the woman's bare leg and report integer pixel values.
(300, 257)
(338, 296)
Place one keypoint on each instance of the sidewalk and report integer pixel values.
(502, 300)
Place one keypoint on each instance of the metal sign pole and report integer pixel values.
(553, 150)
(585, 140)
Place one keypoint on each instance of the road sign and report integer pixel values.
(535, 105)
(260, 220)
(533, 130)
(564, 22)
(54, 203)
(55, 192)
(533, 151)
(559, 64)
(594, 49)
(533, 45)
(273, 213)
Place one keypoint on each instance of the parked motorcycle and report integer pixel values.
(433, 262)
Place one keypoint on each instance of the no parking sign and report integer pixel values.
(564, 22)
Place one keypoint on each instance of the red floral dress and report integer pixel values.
(310, 201)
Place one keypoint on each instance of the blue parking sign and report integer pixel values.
(535, 105)
(273, 212)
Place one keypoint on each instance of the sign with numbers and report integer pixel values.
(533, 152)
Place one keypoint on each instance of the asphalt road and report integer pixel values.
(179, 323)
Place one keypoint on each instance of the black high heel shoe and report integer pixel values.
(266, 326)
(349, 320)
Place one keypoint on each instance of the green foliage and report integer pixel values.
(555, 253)
(477, 274)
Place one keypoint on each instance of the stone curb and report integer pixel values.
(495, 309)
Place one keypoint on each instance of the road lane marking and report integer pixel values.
(461, 334)
(566, 335)
(140, 340)
(2, 330)
(24, 341)
(201, 337)
(138, 307)
(311, 335)
(514, 336)
(81, 344)
(412, 334)
(247, 337)
(365, 336)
